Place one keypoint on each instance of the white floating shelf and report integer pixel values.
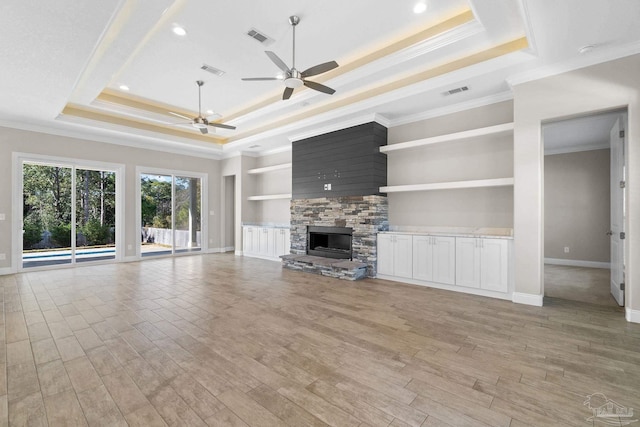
(269, 168)
(270, 197)
(498, 182)
(491, 130)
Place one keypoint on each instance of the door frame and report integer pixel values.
(204, 208)
(18, 161)
(624, 117)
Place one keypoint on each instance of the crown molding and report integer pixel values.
(455, 108)
(112, 136)
(528, 28)
(589, 59)
(332, 127)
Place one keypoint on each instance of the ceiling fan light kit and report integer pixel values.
(293, 78)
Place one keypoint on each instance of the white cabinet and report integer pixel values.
(265, 242)
(482, 263)
(434, 259)
(395, 255)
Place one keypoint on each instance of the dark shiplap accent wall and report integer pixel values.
(348, 159)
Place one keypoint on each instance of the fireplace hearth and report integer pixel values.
(329, 242)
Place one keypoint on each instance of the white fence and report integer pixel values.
(162, 236)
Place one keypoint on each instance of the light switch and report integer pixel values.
(212, 213)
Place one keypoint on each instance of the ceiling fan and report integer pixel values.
(292, 77)
(201, 122)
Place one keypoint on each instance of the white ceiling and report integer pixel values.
(67, 53)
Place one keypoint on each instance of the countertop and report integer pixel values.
(486, 232)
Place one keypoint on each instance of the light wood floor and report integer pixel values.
(221, 340)
(583, 284)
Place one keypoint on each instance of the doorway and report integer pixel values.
(170, 206)
(584, 171)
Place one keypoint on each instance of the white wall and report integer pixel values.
(601, 87)
(478, 158)
(275, 182)
(577, 206)
(14, 140)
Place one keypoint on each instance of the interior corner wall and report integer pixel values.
(577, 206)
(605, 86)
(37, 143)
(477, 158)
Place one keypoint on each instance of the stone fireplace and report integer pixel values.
(366, 215)
(336, 180)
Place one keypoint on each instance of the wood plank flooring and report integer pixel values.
(221, 340)
(583, 284)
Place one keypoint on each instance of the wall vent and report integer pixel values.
(456, 90)
(212, 70)
(260, 36)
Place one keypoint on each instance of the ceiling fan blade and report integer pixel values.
(287, 93)
(203, 131)
(222, 126)
(256, 79)
(180, 115)
(319, 87)
(276, 60)
(319, 69)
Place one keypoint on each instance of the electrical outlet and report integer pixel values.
(2, 217)
(212, 213)
(3, 257)
(566, 249)
(129, 247)
(210, 240)
(327, 187)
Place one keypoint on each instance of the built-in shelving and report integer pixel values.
(270, 197)
(269, 168)
(473, 133)
(497, 182)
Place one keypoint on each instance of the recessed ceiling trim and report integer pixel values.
(476, 58)
(101, 116)
(375, 54)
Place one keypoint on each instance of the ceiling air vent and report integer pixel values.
(259, 36)
(212, 70)
(456, 90)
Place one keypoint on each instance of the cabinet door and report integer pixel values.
(423, 258)
(467, 262)
(402, 256)
(444, 260)
(255, 240)
(282, 241)
(247, 240)
(385, 254)
(494, 268)
(264, 241)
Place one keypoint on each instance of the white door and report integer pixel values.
(255, 240)
(467, 262)
(247, 240)
(444, 260)
(403, 258)
(423, 258)
(264, 241)
(617, 213)
(385, 254)
(282, 241)
(493, 267)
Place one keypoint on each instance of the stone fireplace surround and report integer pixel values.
(367, 215)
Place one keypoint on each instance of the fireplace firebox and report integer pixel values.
(329, 242)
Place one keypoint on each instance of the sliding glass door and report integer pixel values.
(171, 214)
(68, 214)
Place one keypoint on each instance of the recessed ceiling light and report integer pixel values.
(178, 30)
(420, 7)
(124, 87)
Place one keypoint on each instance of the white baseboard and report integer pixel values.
(7, 270)
(130, 259)
(472, 291)
(228, 249)
(214, 250)
(632, 315)
(238, 253)
(268, 258)
(577, 263)
(528, 299)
